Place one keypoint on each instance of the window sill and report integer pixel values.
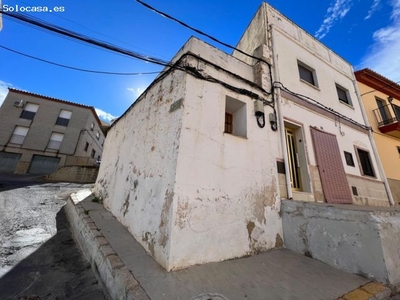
(346, 104)
(309, 84)
(237, 136)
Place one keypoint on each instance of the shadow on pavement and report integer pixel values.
(56, 270)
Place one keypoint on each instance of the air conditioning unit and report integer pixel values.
(19, 104)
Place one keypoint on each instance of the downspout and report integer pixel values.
(277, 91)
(374, 148)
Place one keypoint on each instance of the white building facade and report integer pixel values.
(328, 149)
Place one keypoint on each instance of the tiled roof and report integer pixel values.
(378, 82)
(59, 100)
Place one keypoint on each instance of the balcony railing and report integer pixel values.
(387, 115)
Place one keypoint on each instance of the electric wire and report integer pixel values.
(75, 68)
(319, 104)
(71, 34)
(199, 31)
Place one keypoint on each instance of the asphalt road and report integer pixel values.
(38, 256)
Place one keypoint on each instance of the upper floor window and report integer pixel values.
(86, 146)
(29, 111)
(19, 135)
(307, 74)
(92, 126)
(55, 141)
(235, 117)
(64, 117)
(97, 135)
(343, 95)
(93, 153)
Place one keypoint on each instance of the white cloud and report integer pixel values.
(136, 91)
(336, 11)
(104, 115)
(384, 54)
(4, 90)
(373, 9)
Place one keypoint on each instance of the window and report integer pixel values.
(92, 126)
(365, 162)
(93, 153)
(55, 141)
(97, 135)
(349, 159)
(307, 74)
(98, 158)
(29, 111)
(235, 117)
(19, 135)
(343, 95)
(64, 117)
(86, 146)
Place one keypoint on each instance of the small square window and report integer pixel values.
(63, 118)
(366, 163)
(235, 117)
(29, 111)
(307, 74)
(343, 95)
(349, 159)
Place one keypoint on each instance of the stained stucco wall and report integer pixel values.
(362, 241)
(226, 191)
(188, 192)
(137, 173)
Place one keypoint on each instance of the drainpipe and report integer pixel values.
(374, 149)
(277, 90)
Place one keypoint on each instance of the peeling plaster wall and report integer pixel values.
(357, 240)
(226, 191)
(137, 173)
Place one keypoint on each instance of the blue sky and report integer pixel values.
(364, 32)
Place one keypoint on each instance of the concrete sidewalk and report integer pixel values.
(130, 273)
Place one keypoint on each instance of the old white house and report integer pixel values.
(195, 168)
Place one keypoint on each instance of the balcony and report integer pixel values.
(388, 118)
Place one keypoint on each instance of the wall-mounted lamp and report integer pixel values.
(390, 99)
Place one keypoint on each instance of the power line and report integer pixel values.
(74, 68)
(71, 34)
(199, 31)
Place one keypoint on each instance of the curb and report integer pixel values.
(105, 262)
(370, 291)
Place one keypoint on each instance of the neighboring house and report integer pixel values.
(40, 134)
(328, 151)
(195, 168)
(381, 98)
